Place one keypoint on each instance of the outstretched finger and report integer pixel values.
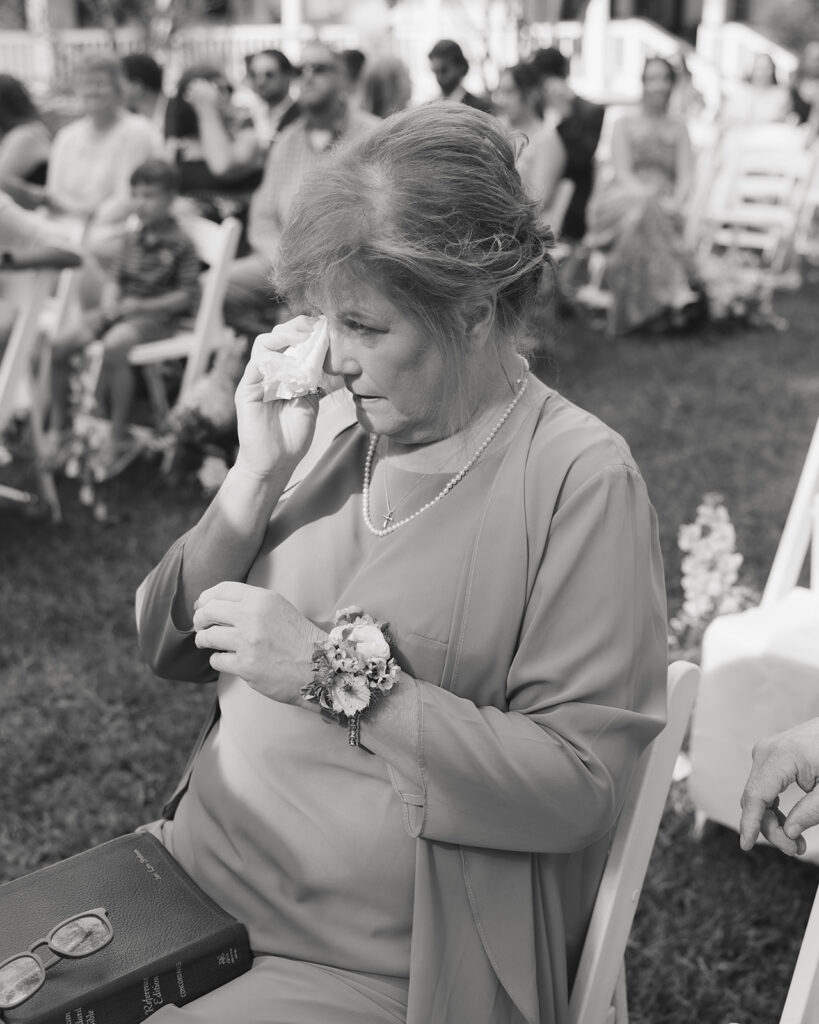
(750, 823)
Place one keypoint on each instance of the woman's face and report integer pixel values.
(394, 372)
(656, 85)
(509, 100)
(763, 71)
(98, 93)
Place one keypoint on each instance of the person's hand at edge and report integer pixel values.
(778, 761)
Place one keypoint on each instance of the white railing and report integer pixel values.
(607, 71)
(733, 46)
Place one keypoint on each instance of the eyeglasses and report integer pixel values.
(316, 69)
(24, 973)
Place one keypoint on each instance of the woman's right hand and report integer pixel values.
(276, 431)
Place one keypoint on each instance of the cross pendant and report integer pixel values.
(387, 517)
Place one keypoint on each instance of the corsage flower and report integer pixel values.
(352, 668)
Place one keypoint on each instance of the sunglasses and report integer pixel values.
(317, 69)
(24, 973)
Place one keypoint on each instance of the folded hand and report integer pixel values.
(258, 635)
(792, 756)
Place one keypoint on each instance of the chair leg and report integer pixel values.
(45, 477)
(621, 997)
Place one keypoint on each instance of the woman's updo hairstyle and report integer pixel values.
(429, 209)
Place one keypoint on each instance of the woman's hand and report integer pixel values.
(258, 635)
(272, 431)
(202, 94)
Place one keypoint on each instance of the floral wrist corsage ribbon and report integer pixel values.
(352, 668)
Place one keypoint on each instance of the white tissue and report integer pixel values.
(297, 371)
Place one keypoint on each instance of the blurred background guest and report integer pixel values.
(638, 214)
(92, 158)
(270, 75)
(25, 143)
(353, 62)
(386, 86)
(686, 100)
(759, 99)
(518, 100)
(326, 118)
(569, 152)
(142, 89)
(213, 144)
(449, 65)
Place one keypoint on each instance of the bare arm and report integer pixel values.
(224, 155)
(544, 169)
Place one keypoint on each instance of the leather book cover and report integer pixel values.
(171, 942)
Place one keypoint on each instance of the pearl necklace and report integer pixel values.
(519, 386)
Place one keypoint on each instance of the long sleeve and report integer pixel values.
(166, 644)
(585, 692)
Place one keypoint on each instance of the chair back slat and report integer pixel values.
(631, 846)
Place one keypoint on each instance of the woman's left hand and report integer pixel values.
(202, 93)
(258, 635)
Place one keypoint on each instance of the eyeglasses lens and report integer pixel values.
(316, 69)
(19, 979)
(81, 936)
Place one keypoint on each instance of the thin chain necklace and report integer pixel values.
(388, 516)
(390, 527)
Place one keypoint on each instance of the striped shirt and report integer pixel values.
(155, 260)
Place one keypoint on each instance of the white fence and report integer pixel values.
(607, 67)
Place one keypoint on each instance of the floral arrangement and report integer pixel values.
(352, 668)
(710, 574)
(203, 424)
(738, 291)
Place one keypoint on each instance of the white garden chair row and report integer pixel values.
(24, 365)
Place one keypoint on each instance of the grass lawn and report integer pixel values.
(91, 742)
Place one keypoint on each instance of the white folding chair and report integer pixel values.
(599, 990)
(20, 387)
(802, 1001)
(758, 197)
(216, 246)
(800, 533)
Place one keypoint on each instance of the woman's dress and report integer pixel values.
(647, 268)
(314, 845)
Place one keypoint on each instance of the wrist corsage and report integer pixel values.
(352, 668)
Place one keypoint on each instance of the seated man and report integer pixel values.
(326, 118)
(142, 90)
(154, 280)
(448, 64)
(270, 75)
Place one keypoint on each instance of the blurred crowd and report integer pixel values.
(241, 149)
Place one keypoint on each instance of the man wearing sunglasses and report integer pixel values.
(270, 75)
(326, 117)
